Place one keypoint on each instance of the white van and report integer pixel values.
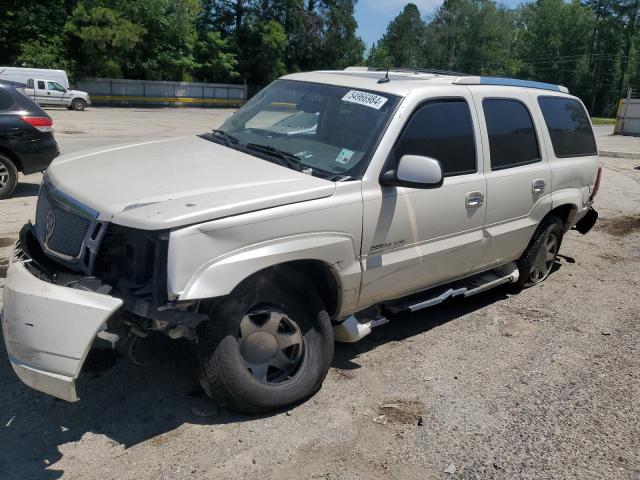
(47, 87)
(22, 75)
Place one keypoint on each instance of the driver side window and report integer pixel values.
(443, 130)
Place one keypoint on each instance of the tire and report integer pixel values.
(248, 330)
(78, 104)
(537, 261)
(8, 177)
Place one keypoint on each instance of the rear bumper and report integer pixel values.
(48, 329)
(587, 222)
(36, 153)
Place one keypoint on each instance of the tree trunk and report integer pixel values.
(629, 34)
(239, 14)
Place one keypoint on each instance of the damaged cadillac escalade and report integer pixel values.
(326, 194)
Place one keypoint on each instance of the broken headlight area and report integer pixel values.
(129, 264)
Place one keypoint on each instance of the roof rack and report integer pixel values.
(432, 71)
(511, 82)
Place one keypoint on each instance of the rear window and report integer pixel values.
(569, 127)
(6, 100)
(512, 137)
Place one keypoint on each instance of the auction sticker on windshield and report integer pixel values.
(365, 98)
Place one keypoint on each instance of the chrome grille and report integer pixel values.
(62, 225)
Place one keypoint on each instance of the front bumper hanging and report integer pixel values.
(48, 329)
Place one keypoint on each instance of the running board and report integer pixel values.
(352, 330)
(465, 288)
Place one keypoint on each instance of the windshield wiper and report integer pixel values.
(229, 140)
(285, 159)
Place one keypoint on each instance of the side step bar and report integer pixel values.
(465, 288)
(353, 329)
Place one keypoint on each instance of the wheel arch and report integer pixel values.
(329, 260)
(11, 156)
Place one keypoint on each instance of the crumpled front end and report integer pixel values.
(49, 328)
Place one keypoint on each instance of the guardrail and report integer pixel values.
(107, 91)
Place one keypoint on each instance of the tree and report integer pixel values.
(403, 43)
(215, 59)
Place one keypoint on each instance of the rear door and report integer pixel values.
(516, 167)
(40, 92)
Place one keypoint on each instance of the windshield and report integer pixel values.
(327, 129)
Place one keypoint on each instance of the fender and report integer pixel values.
(219, 276)
(577, 198)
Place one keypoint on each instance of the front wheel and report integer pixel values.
(267, 346)
(78, 104)
(537, 261)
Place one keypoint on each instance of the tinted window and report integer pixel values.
(569, 127)
(40, 84)
(512, 138)
(442, 130)
(6, 100)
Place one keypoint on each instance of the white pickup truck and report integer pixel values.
(327, 204)
(50, 92)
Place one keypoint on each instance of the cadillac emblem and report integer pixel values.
(50, 225)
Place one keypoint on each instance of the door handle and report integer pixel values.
(474, 199)
(538, 186)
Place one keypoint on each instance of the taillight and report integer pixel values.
(44, 124)
(596, 187)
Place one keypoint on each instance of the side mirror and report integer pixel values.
(414, 171)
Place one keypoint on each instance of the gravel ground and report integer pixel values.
(542, 384)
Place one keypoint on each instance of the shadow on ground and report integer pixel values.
(26, 190)
(130, 404)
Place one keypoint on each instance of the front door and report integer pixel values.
(516, 167)
(55, 93)
(417, 238)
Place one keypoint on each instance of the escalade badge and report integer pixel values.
(50, 225)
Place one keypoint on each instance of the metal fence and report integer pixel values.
(628, 116)
(107, 91)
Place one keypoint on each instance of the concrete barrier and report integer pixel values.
(107, 91)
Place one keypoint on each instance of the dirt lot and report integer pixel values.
(542, 384)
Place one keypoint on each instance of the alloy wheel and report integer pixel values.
(545, 257)
(4, 175)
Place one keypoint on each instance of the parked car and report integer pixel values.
(262, 247)
(48, 92)
(27, 144)
(47, 87)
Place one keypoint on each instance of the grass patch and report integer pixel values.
(603, 121)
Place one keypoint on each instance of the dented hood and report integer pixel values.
(169, 183)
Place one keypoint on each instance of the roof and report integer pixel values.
(402, 82)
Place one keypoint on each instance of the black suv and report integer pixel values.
(26, 137)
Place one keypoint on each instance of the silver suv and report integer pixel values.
(328, 203)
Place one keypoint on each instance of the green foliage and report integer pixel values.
(403, 44)
(591, 46)
(41, 53)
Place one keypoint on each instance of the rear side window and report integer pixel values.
(40, 84)
(6, 100)
(443, 130)
(512, 137)
(569, 127)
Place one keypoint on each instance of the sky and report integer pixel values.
(373, 16)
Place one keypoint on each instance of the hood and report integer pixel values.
(168, 183)
(77, 93)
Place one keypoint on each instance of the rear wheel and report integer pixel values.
(267, 346)
(8, 177)
(537, 261)
(78, 104)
